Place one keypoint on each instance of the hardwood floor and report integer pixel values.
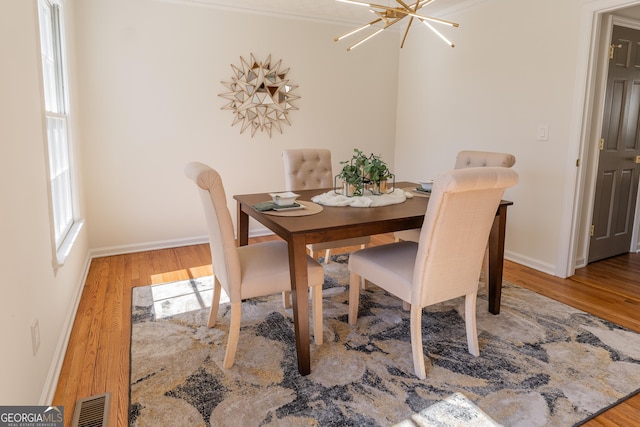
(97, 358)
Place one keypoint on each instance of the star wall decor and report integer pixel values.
(260, 95)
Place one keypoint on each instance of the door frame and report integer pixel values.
(608, 23)
(590, 88)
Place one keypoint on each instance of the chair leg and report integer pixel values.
(327, 256)
(215, 303)
(416, 341)
(363, 283)
(470, 323)
(485, 268)
(354, 297)
(234, 333)
(316, 301)
(286, 299)
(406, 306)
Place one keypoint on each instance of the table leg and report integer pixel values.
(496, 259)
(300, 301)
(242, 225)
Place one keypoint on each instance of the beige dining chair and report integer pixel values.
(247, 271)
(446, 261)
(465, 159)
(478, 159)
(310, 169)
(468, 159)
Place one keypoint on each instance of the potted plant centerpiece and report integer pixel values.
(378, 173)
(361, 172)
(352, 174)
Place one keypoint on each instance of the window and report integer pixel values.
(56, 106)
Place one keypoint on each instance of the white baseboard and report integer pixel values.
(147, 246)
(51, 382)
(531, 263)
(164, 244)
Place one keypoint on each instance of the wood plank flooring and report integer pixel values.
(97, 358)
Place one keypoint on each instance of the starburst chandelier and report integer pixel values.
(389, 16)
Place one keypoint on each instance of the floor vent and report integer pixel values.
(92, 411)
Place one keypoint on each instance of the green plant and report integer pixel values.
(350, 173)
(376, 169)
(362, 169)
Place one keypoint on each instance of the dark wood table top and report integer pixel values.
(335, 223)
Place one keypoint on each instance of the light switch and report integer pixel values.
(543, 133)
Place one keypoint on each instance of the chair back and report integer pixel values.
(307, 169)
(455, 231)
(474, 159)
(224, 253)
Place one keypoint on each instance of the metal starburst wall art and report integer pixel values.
(259, 95)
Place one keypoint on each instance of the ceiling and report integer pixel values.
(324, 9)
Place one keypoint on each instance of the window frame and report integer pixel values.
(59, 161)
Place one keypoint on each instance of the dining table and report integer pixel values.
(331, 223)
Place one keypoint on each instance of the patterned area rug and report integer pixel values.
(541, 363)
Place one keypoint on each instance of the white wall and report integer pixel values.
(146, 102)
(513, 69)
(29, 287)
(151, 74)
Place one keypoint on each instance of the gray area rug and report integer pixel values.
(541, 363)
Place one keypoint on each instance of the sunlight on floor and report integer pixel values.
(183, 274)
(181, 297)
(456, 410)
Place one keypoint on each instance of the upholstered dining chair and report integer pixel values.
(247, 271)
(477, 159)
(445, 263)
(310, 169)
(468, 159)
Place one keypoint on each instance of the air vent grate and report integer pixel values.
(92, 411)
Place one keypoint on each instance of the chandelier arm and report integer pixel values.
(406, 6)
(375, 21)
(421, 17)
(353, 46)
(401, 11)
(374, 34)
(423, 3)
(406, 32)
(438, 33)
(417, 5)
(439, 21)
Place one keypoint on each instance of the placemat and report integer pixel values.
(310, 209)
